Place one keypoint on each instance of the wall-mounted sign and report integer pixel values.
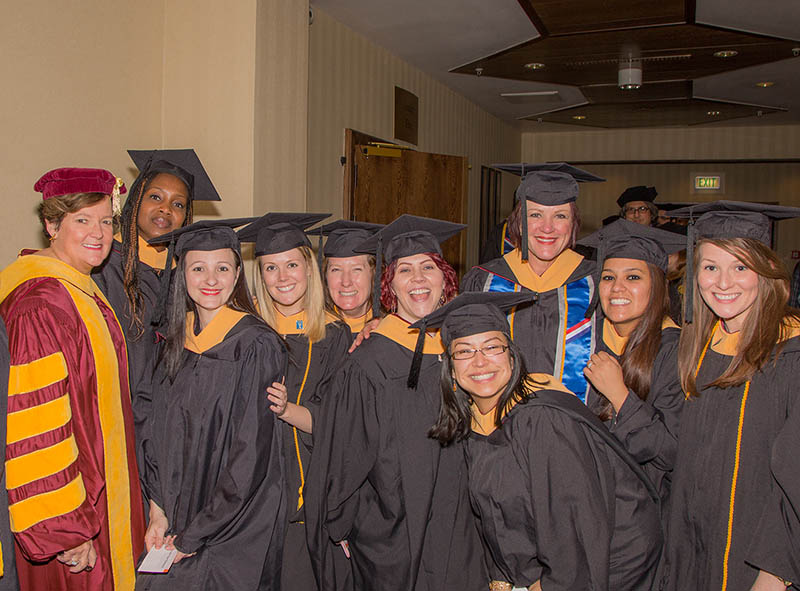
(406, 115)
(708, 182)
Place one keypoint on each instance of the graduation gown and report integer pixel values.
(213, 457)
(553, 333)
(8, 567)
(649, 428)
(110, 279)
(308, 380)
(70, 457)
(378, 480)
(559, 500)
(723, 492)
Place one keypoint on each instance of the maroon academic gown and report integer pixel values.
(70, 460)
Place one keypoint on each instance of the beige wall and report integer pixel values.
(755, 182)
(79, 85)
(351, 84)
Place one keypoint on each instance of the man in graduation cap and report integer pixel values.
(636, 204)
(555, 333)
(160, 201)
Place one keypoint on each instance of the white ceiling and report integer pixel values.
(436, 36)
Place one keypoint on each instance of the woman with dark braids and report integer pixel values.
(160, 201)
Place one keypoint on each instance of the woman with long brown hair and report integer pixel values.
(634, 373)
(730, 526)
(212, 469)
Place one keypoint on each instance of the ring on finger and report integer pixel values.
(73, 563)
(589, 365)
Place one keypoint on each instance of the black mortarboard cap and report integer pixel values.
(406, 236)
(344, 236)
(727, 219)
(639, 193)
(279, 232)
(473, 312)
(202, 235)
(183, 164)
(549, 184)
(523, 168)
(629, 240)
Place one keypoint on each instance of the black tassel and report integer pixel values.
(688, 275)
(159, 313)
(319, 253)
(416, 362)
(376, 280)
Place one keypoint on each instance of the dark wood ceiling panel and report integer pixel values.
(653, 113)
(654, 91)
(676, 52)
(564, 17)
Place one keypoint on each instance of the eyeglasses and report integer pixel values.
(488, 351)
(640, 209)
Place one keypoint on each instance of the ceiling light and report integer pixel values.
(534, 66)
(712, 113)
(630, 75)
(726, 53)
(530, 93)
(764, 84)
(579, 117)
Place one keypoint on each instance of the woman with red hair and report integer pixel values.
(376, 479)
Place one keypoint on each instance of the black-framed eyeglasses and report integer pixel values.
(487, 351)
(640, 209)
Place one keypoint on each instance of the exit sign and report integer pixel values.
(705, 182)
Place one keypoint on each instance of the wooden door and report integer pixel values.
(386, 183)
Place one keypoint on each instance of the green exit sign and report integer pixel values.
(708, 183)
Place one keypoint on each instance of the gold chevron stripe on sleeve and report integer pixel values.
(38, 419)
(37, 374)
(41, 463)
(28, 512)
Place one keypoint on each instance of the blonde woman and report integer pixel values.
(291, 299)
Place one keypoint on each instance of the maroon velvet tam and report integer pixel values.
(63, 181)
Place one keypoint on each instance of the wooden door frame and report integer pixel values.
(352, 138)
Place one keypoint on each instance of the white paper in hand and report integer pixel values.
(158, 560)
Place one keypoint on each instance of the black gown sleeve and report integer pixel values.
(570, 503)
(252, 449)
(346, 435)
(649, 429)
(775, 547)
(146, 442)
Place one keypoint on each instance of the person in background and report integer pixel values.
(213, 472)
(348, 274)
(555, 333)
(637, 205)
(291, 300)
(376, 479)
(634, 370)
(561, 504)
(733, 524)
(75, 502)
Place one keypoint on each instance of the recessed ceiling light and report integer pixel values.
(726, 53)
(712, 113)
(534, 66)
(579, 117)
(764, 84)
